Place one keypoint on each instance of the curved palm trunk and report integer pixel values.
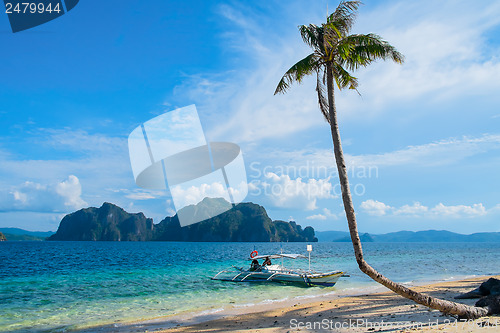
(447, 307)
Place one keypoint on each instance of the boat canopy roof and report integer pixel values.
(281, 255)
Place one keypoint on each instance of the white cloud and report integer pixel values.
(316, 217)
(31, 184)
(414, 210)
(34, 197)
(255, 113)
(192, 195)
(100, 161)
(459, 211)
(444, 61)
(283, 192)
(96, 155)
(377, 208)
(71, 190)
(320, 162)
(326, 214)
(79, 141)
(138, 193)
(245, 94)
(374, 207)
(436, 153)
(140, 196)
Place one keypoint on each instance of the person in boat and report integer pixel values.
(267, 262)
(254, 266)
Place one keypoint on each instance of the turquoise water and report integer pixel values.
(60, 286)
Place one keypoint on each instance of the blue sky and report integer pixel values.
(422, 142)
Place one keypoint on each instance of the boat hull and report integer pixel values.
(307, 279)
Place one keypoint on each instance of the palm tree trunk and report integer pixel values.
(447, 307)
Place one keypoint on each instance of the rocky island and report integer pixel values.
(246, 222)
(107, 223)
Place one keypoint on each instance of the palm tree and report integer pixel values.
(335, 53)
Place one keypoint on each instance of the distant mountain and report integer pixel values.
(411, 236)
(17, 231)
(107, 223)
(14, 237)
(24, 235)
(365, 238)
(246, 222)
(436, 236)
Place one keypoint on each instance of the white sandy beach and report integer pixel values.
(372, 312)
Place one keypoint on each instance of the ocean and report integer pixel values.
(61, 286)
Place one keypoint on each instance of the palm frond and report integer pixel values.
(344, 9)
(322, 99)
(340, 22)
(312, 35)
(361, 50)
(296, 73)
(343, 78)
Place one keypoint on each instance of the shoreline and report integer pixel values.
(372, 308)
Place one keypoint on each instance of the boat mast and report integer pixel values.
(281, 248)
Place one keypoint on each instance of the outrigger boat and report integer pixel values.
(267, 272)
